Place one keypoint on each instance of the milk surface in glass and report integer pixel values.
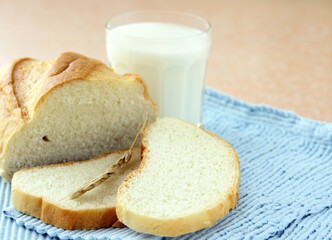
(171, 58)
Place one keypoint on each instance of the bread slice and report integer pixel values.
(67, 109)
(187, 180)
(43, 192)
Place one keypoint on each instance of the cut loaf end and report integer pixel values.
(188, 179)
(68, 109)
(43, 192)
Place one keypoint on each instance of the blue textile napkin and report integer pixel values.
(286, 179)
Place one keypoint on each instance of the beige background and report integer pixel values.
(273, 52)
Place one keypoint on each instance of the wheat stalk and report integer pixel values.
(111, 170)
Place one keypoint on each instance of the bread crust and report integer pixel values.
(119, 224)
(54, 214)
(181, 225)
(16, 105)
(19, 105)
(69, 219)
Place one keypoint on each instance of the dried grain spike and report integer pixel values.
(111, 170)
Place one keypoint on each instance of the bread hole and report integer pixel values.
(45, 138)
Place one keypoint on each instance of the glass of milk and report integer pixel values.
(169, 50)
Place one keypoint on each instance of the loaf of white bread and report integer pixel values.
(75, 108)
(43, 192)
(67, 109)
(187, 180)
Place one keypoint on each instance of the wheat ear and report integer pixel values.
(111, 170)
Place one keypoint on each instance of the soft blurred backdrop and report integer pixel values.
(271, 52)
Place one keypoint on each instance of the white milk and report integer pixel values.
(170, 58)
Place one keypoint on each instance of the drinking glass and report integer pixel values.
(169, 50)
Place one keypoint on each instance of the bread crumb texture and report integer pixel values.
(187, 180)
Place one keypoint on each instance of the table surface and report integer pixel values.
(271, 52)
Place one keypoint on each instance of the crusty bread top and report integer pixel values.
(25, 82)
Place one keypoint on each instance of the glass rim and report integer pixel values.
(206, 30)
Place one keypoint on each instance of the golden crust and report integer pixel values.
(64, 218)
(18, 104)
(119, 224)
(186, 224)
(67, 67)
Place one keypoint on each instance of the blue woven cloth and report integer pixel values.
(286, 179)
